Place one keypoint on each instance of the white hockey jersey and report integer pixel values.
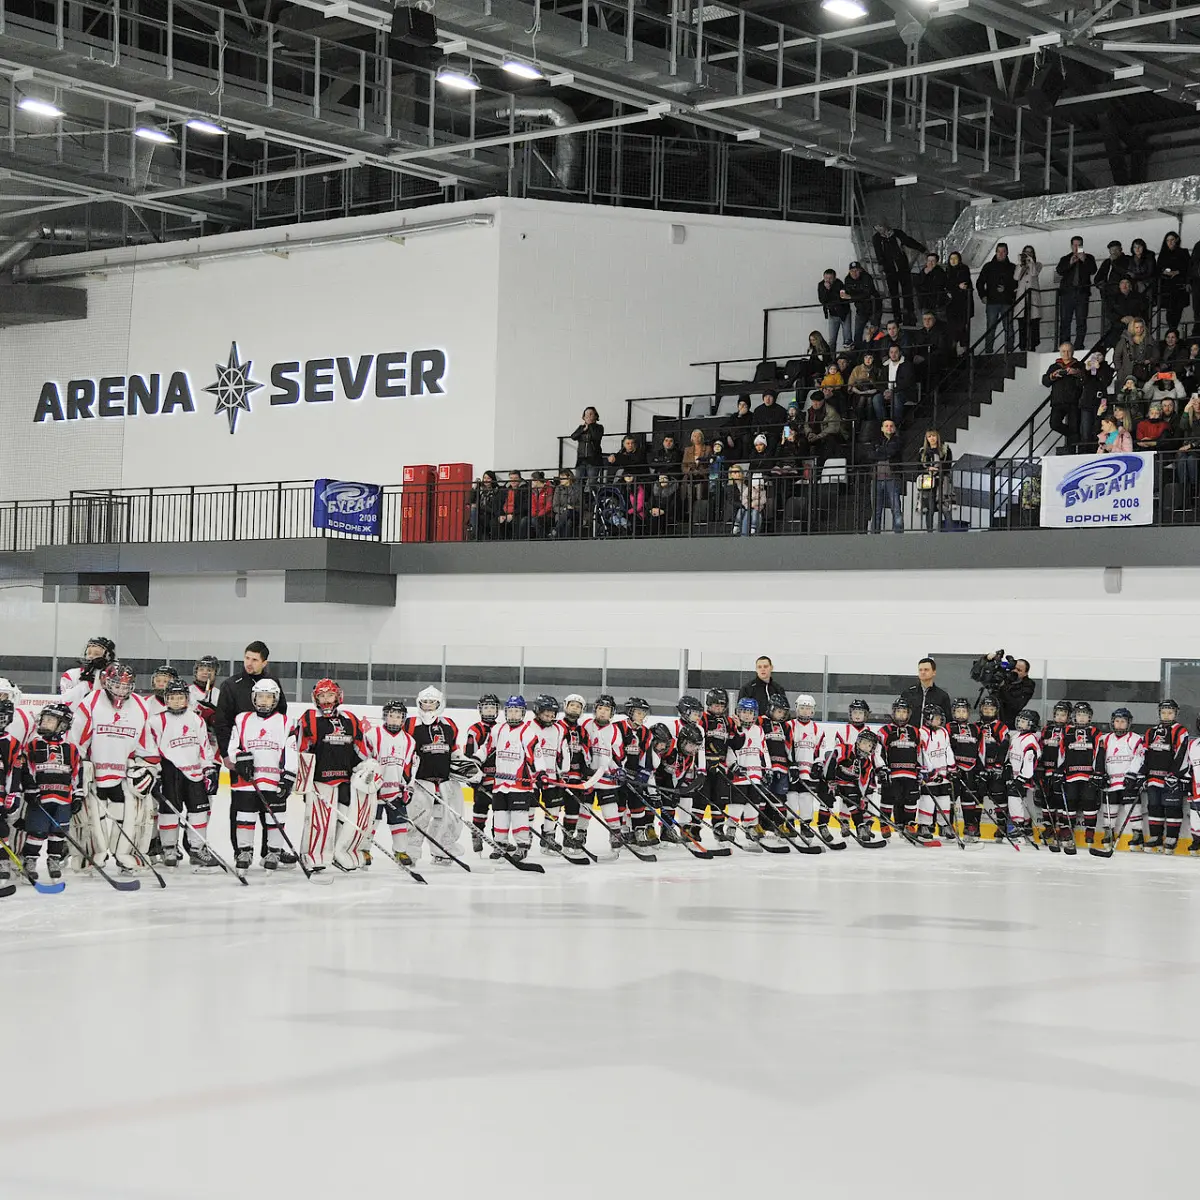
(111, 734)
(266, 738)
(1124, 754)
(394, 754)
(23, 724)
(937, 754)
(514, 747)
(606, 752)
(748, 755)
(1193, 759)
(72, 688)
(547, 749)
(182, 739)
(1024, 751)
(154, 706)
(846, 737)
(202, 698)
(808, 745)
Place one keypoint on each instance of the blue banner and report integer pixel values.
(347, 507)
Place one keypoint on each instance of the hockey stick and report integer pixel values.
(783, 849)
(991, 811)
(145, 859)
(537, 868)
(1116, 840)
(1064, 843)
(270, 817)
(691, 844)
(802, 844)
(893, 823)
(637, 852)
(417, 878)
(120, 885)
(937, 811)
(562, 850)
(183, 817)
(826, 807)
(47, 889)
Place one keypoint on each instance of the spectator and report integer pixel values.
(1064, 378)
(1135, 358)
(1172, 352)
(664, 500)
(1194, 288)
(1163, 385)
(1171, 438)
(930, 285)
(1112, 438)
(893, 335)
(1186, 462)
(630, 457)
(890, 247)
(900, 386)
(863, 387)
(514, 507)
(568, 505)
(1108, 278)
(872, 335)
(633, 491)
(1150, 428)
(925, 693)
(1174, 265)
(1029, 300)
(1189, 374)
(859, 288)
(755, 501)
(485, 507)
(823, 426)
(997, 288)
(763, 686)
(1075, 272)
(739, 432)
(588, 438)
(887, 450)
(541, 508)
(815, 362)
(793, 449)
(732, 506)
(716, 474)
(934, 351)
(667, 458)
(762, 453)
(696, 456)
(934, 485)
(961, 302)
(770, 416)
(1096, 379)
(1123, 415)
(1143, 268)
(1127, 306)
(831, 295)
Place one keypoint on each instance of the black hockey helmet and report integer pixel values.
(777, 701)
(859, 706)
(605, 700)
(399, 710)
(174, 690)
(106, 644)
(688, 705)
(690, 735)
(1121, 714)
(545, 703)
(901, 706)
(715, 696)
(7, 712)
(207, 662)
(58, 718)
(1084, 708)
(161, 678)
(489, 700)
(932, 711)
(960, 704)
(1168, 703)
(1029, 720)
(989, 710)
(866, 743)
(1066, 708)
(635, 702)
(660, 735)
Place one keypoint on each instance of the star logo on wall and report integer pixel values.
(233, 387)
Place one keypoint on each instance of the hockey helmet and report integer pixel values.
(934, 716)
(206, 669)
(517, 705)
(637, 704)
(395, 713)
(717, 698)
(177, 690)
(901, 706)
(574, 705)
(860, 707)
(53, 721)
(777, 702)
(866, 743)
(1081, 712)
(1124, 716)
(7, 712)
(989, 710)
(1167, 704)
(806, 706)
(1064, 709)
(747, 710)
(264, 696)
(107, 655)
(489, 706)
(689, 708)
(660, 735)
(545, 708)
(604, 700)
(1029, 720)
(9, 691)
(690, 738)
(118, 680)
(960, 709)
(327, 695)
(430, 704)
(164, 675)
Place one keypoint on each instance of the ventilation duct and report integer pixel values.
(566, 146)
(20, 246)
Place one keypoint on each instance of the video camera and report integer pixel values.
(992, 673)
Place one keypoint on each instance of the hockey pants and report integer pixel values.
(510, 817)
(899, 798)
(1165, 805)
(935, 792)
(41, 817)
(183, 801)
(1081, 801)
(246, 811)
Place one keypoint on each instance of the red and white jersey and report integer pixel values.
(748, 754)
(808, 745)
(204, 699)
(514, 747)
(547, 747)
(111, 734)
(22, 726)
(1118, 755)
(605, 750)
(1024, 752)
(1193, 761)
(154, 706)
(937, 754)
(73, 689)
(267, 740)
(183, 740)
(394, 754)
(846, 736)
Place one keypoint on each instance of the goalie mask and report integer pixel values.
(53, 722)
(573, 706)
(162, 678)
(1121, 720)
(117, 680)
(806, 707)
(747, 711)
(205, 672)
(327, 695)
(515, 709)
(489, 708)
(1029, 720)
(545, 710)
(7, 712)
(99, 651)
(395, 713)
(176, 697)
(264, 696)
(430, 705)
(10, 692)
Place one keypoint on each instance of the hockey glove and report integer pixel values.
(243, 767)
(141, 778)
(76, 803)
(883, 774)
(287, 781)
(4, 826)
(794, 778)
(212, 780)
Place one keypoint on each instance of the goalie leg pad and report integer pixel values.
(356, 811)
(318, 817)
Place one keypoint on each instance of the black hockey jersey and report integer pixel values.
(850, 774)
(778, 736)
(52, 771)
(637, 744)
(717, 732)
(964, 741)
(900, 746)
(993, 745)
(1166, 752)
(478, 736)
(1079, 752)
(435, 743)
(573, 755)
(1053, 738)
(335, 740)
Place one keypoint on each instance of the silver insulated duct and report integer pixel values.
(566, 146)
(14, 248)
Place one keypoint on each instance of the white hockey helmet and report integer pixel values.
(430, 705)
(10, 692)
(264, 696)
(806, 705)
(576, 701)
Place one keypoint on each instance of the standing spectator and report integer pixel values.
(1189, 372)
(1064, 378)
(900, 386)
(770, 416)
(961, 303)
(755, 501)
(887, 450)
(934, 485)
(514, 508)
(1029, 300)
(860, 290)
(823, 427)
(739, 432)
(588, 438)
(696, 456)
(541, 508)
(1112, 438)
(1187, 461)
(1096, 380)
(568, 505)
(1075, 272)
(1015, 692)
(731, 510)
(1108, 279)
(763, 686)
(716, 475)
(1194, 288)
(630, 457)
(667, 459)
(831, 295)
(890, 247)
(1150, 428)
(1135, 358)
(925, 693)
(997, 288)
(1174, 264)
(930, 285)
(1143, 268)
(816, 362)
(934, 350)
(664, 499)
(485, 507)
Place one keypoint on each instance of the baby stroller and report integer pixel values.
(611, 515)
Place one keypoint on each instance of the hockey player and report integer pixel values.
(79, 682)
(477, 736)
(264, 773)
(1166, 760)
(112, 730)
(162, 678)
(337, 815)
(636, 735)
(935, 805)
(900, 747)
(845, 738)
(437, 800)
(718, 727)
(1024, 755)
(808, 753)
(1049, 778)
(1080, 773)
(204, 691)
(750, 762)
(964, 742)
(21, 723)
(573, 769)
(850, 774)
(777, 730)
(677, 768)
(512, 742)
(188, 777)
(993, 755)
(52, 782)
(605, 753)
(11, 789)
(1120, 755)
(546, 803)
(1193, 780)
(392, 748)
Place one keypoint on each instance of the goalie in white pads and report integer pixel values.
(264, 769)
(437, 799)
(112, 730)
(388, 767)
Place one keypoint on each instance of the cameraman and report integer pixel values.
(1014, 691)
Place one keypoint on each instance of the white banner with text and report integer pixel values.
(1097, 489)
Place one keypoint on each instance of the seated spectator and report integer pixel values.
(485, 507)
(568, 506)
(1187, 460)
(755, 503)
(1143, 268)
(631, 456)
(1172, 437)
(514, 507)
(1112, 438)
(823, 427)
(900, 386)
(762, 455)
(933, 350)
(1172, 350)
(738, 434)
(935, 485)
(831, 296)
(588, 438)
(664, 501)
(872, 335)
(893, 335)
(1123, 415)
(667, 459)
(793, 415)
(816, 361)
(793, 449)
(1150, 428)
(541, 508)
(770, 416)
(696, 455)
(930, 285)
(1162, 384)
(731, 508)
(634, 492)
(887, 451)
(1189, 372)
(863, 387)
(1136, 356)
(1174, 262)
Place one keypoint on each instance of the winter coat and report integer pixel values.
(568, 498)
(997, 281)
(664, 497)
(961, 303)
(587, 439)
(1111, 272)
(1177, 260)
(1134, 360)
(1065, 381)
(931, 289)
(1029, 298)
(890, 251)
(1075, 276)
(1142, 270)
(830, 299)
(1122, 445)
(861, 290)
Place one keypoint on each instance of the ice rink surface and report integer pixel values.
(903, 1022)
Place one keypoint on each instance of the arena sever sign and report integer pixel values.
(388, 376)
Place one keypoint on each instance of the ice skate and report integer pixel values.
(202, 859)
(649, 835)
(29, 864)
(847, 831)
(499, 850)
(170, 856)
(54, 866)
(477, 840)
(403, 858)
(243, 859)
(1136, 841)
(365, 855)
(519, 852)
(270, 860)
(572, 848)
(1154, 844)
(825, 836)
(1169, 844)
(616, 839)
(442, 860)
(1194, 847)
(547, 840)
(671, 835)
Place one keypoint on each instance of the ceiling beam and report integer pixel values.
(1158, 17)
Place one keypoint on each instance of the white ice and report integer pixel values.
(903, 1022)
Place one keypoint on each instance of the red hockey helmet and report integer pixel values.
(331, 692)
(118, 680)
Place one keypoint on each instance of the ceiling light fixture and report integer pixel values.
(847, 10)
(200, 125)
(458, 80)
(40, 108)
(522, 70)
(151, 133)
